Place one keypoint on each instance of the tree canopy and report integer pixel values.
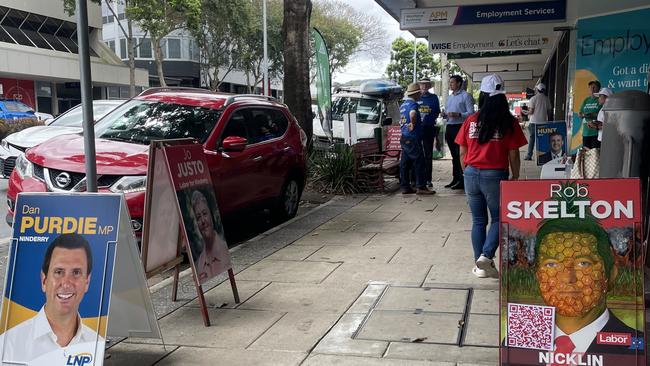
(400, 67)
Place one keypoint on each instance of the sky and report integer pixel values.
(364, 67)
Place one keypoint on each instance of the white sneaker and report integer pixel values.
(479, 272)
(487, 265)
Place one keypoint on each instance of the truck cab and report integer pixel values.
(375, 104)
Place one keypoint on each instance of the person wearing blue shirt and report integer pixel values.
(411, 143)
(429, 111)
(459, 106)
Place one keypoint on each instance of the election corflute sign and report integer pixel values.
(572, 273)
(59, 278)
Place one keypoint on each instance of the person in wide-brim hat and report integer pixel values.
(413, 88)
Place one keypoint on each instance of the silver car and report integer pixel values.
(67, 123)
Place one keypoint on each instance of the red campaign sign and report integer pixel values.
(572, 273)
(393, 136)
(187, 166)
(197, 205)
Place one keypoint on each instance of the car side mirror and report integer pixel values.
(234, 143)
(387, 121)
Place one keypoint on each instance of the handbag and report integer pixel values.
(587, 164)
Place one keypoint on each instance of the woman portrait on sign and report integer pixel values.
(213, 258)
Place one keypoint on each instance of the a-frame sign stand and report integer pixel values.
(165, 230)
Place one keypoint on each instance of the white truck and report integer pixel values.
(375, 104)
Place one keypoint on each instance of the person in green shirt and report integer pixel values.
(589, 112)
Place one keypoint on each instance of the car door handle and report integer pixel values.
(257, 158)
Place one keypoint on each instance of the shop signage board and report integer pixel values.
(571, 273)
(613, 49)
(550, 141)
(464, 55)
(554, 10)
(62, 278)
(179, 173)
(505, 37)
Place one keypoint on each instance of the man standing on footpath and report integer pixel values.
(458, 107)
(429, 111)
(411, 142)
(589, 113)
(538, 108)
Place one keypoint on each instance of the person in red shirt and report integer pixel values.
(489, 143)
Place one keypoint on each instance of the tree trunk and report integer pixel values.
(295, 33)
(131, 48)
(158, 56)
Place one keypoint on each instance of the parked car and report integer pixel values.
(13, 109)
(253, 145)
(69, 122)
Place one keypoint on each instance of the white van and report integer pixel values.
(375, 103)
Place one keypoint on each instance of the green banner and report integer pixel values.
(323, 82)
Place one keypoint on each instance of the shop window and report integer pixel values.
(111, 45)
(174, 47)
(145, 48)
(123, 54)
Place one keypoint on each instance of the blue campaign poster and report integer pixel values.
(550, 141)
(613, 49)
(59, 276)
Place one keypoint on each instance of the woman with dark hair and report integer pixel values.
(489, 143)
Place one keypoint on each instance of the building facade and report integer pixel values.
(39, 62)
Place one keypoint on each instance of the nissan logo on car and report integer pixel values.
(63, 180)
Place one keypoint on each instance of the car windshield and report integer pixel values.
(74, 117)
(367, 110)
(141, 121)
(18, 107)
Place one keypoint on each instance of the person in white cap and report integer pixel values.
(602, 95)
(538, 109)
(489, 146)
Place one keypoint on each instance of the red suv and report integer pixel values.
(254, 147)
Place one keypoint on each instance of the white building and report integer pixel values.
(181, 65)
(39, 56)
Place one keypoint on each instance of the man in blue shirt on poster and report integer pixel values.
(429, 111)
(411, 142)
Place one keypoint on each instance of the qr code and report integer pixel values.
(530, 326)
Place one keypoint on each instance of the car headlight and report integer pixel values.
(24, 167)
(130, 184)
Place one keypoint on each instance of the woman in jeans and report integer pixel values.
(489, 143)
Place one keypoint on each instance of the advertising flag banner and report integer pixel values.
(550, 141)
(572, 273)
(323, 82)
(612, 49)
(198, 207)
(59, 279)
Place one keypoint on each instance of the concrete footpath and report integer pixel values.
(364, 280)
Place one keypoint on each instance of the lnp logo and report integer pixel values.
(80, 359)
(614, 339)
(62, 180)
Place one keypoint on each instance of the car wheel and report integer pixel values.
(286, 205)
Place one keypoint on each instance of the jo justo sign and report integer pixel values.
(483, 14)
(472, 39)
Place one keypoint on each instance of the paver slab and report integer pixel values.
(294, 252)
(296, 332)
(419, 254)
(320, 238)
(458, 273)
(425, 299)
(131, 354)
(376, 254)
(288, 297)
(405, 326)
(329, 360)
(482, 330)
(485, 302)
(231, 357)
(339, 340)
(288, 271)
(394, 274)
(408, 239)
(230, 327)
(385, 227)
(222, 297)
(443, 353)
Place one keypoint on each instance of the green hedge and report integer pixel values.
(10, 125)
